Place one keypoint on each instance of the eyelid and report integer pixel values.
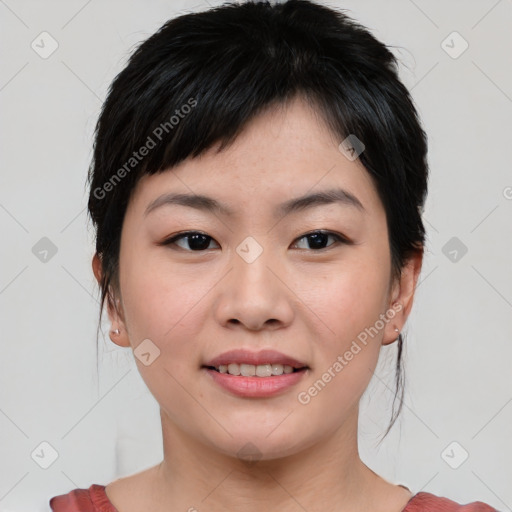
(335, 234)
(184, 234)
(340, 239)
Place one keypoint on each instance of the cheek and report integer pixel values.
(162, 304)
(349, 303)
(347, 298)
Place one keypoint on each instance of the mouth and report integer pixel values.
(265, 363)
(264, 380)
(260, 370)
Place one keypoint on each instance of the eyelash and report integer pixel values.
(339, 238)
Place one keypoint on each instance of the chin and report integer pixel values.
(254, 443)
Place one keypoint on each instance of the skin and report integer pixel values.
(305, 302)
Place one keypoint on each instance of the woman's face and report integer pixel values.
(254, 281)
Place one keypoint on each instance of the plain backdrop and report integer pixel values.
(66, 423)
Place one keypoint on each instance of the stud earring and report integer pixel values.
(115, 331)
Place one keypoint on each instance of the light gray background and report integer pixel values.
(458, 357)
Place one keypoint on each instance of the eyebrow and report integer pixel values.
(208, 204)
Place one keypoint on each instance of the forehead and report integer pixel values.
(283, 153)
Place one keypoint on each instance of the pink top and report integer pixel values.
(95, 499)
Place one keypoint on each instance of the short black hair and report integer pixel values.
(203, 76)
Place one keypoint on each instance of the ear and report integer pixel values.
(114, 308)
(402, 297)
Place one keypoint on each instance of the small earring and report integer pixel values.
(115, 331)
(396, 329)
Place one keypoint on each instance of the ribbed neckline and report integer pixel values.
(100, 499)
(412, 500)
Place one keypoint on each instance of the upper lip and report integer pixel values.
(243, 356)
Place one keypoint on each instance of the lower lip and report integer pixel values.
(256, 387)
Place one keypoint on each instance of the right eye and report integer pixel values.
(197, 241)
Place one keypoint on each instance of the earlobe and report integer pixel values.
(403, 297)
(394, 325)
(119, 337)
(118, 333)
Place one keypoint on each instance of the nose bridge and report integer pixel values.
(251, 261)
(252, 294)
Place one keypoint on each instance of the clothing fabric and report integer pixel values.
(94, 499)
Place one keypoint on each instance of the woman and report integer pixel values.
(232, 144)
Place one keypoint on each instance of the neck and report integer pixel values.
(326, 476)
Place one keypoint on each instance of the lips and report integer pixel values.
(263, 357)
(262, 374)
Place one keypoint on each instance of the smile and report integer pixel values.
(251, 370)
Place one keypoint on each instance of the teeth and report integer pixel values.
(234, 369)
(248, 370)
(277, 369)
(251, 370)
(263, 370)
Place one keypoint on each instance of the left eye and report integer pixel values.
(318, 238)
(198, 241)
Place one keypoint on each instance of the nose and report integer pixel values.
(254, 295)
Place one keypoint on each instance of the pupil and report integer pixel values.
(193, 239)
(317, 240)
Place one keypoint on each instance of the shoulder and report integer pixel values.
(427, 502)
(93, 499)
